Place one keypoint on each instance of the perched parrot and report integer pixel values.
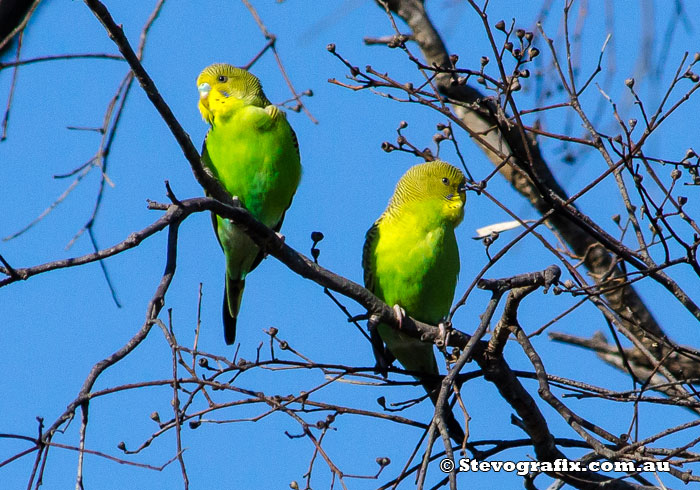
(411, 261)
(253, 151)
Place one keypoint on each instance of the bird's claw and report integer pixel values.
(400, 314)
(444, 329)
(280, 236)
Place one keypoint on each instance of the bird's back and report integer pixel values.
(254, 154)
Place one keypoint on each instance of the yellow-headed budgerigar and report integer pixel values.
(253, 151)
(411, 260)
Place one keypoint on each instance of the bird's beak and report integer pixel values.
(204, 89)
(462, 187)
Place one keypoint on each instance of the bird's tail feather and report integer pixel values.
(454, 430)
(233, 293)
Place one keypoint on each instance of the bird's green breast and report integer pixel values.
(255, 157)
(416, 263)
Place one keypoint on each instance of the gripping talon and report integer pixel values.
(400, 314)
(444, 329)
(280, 236)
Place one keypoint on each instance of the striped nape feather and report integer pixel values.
(425, 181)
(237, 78)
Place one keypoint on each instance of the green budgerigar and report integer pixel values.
(411, 260)
(253, 151)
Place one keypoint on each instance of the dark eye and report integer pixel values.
(222, 78)
(446, 181)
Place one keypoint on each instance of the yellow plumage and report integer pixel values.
(411, 259)
(253, 151)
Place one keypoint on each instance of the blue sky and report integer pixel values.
(58, 325)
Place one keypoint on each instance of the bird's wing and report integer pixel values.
(205, 157)
(367, 250)
(295, 140)
(277, 113)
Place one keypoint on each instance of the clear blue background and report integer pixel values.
(56, 326)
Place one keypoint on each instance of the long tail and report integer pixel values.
(233, 292)
(454, 430)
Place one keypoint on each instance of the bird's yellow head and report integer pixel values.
(437, 185)
(224, 88)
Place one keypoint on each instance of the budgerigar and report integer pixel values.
(410, 259)
(253, 151)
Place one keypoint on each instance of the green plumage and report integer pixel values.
(411, 259)
(252, 150)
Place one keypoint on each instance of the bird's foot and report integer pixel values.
(400, 314)
(281, 237)
(444, 329)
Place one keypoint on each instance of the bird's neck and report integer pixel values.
(418, 215)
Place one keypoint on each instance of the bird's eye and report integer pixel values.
(445, 181)
(222, 78)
